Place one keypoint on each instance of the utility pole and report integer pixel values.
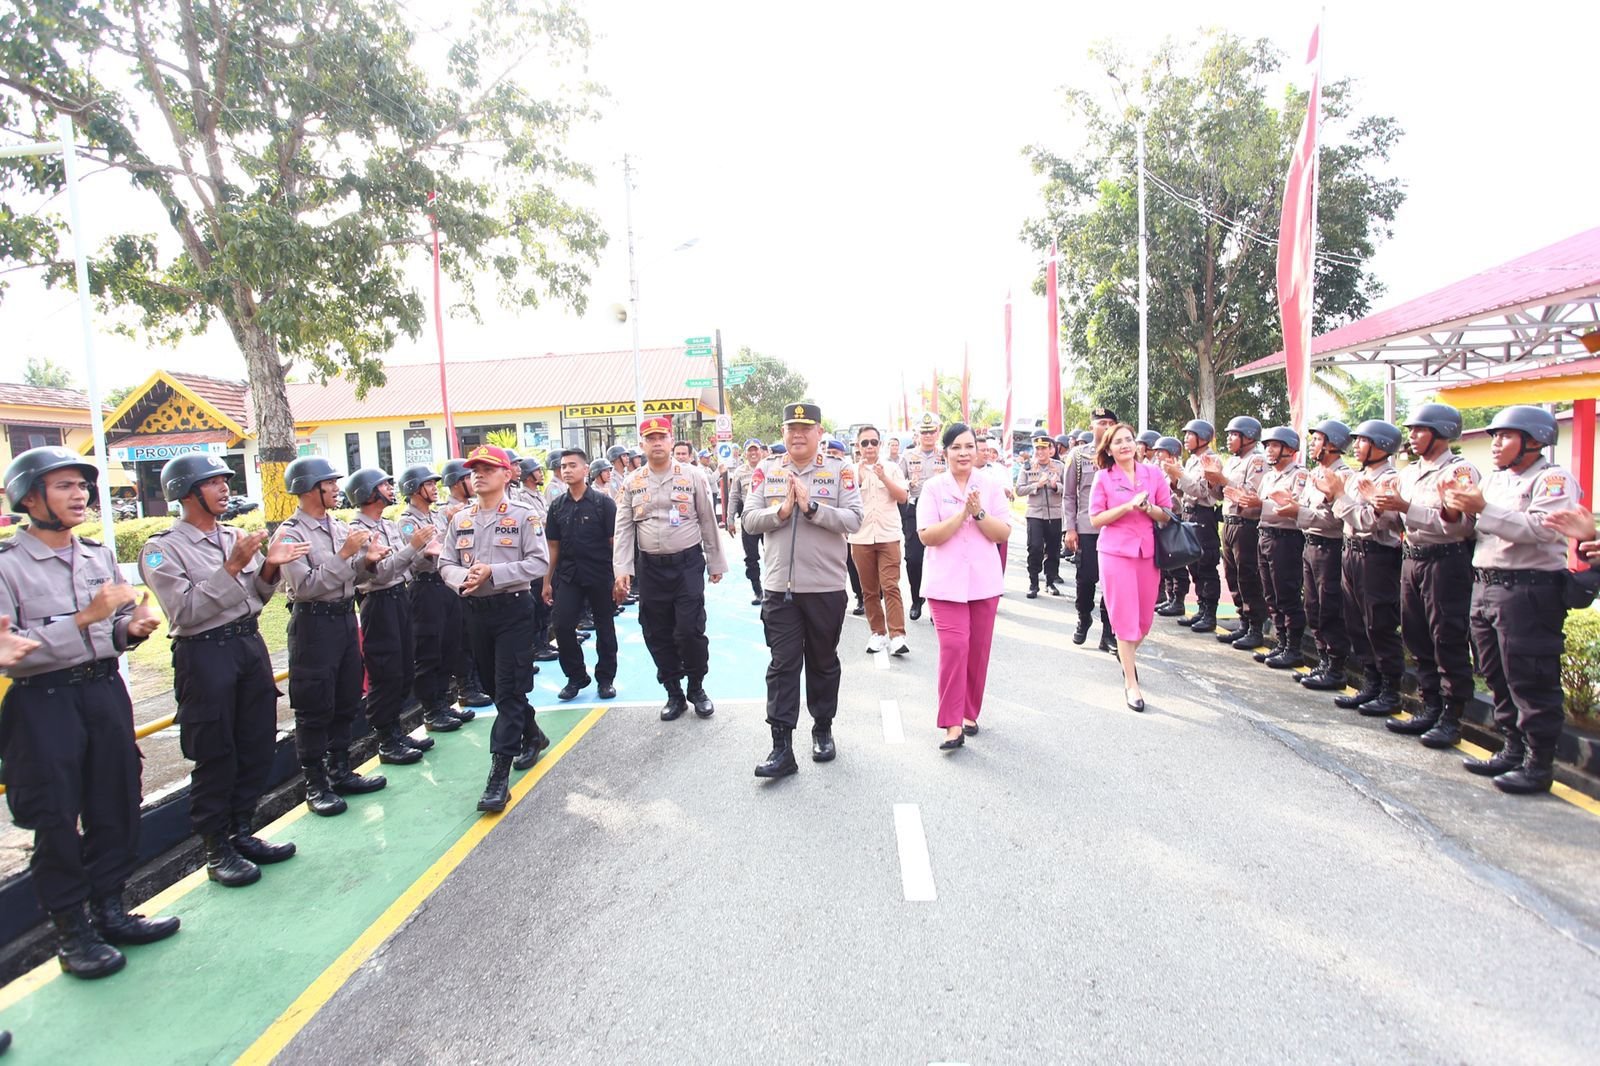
(1144, 299)
(633, 299)
(722, 384)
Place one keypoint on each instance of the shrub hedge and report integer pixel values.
(131, 533)
(1580, 665)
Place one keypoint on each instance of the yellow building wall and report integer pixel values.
(75, 437)
(328, 438)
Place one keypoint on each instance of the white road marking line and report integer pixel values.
(893, 731)
(916, 869)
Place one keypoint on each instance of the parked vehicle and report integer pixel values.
(238, 505)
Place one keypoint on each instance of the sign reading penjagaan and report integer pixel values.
(624, 409)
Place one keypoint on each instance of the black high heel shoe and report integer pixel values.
(952, 743)
(1133, 704)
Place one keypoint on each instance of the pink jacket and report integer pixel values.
(1133, 534)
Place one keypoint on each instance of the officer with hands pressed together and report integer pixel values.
(1201, 501)
(66, 725)
(804, 504)
(579, 530)
(1042, 483)
(1280, 553)
(1174, 583)
(920, 464)
(1322, 558)
(1240, 481)
(212, 581)
(665, 512)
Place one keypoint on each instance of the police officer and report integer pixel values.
(492, 557)
(1083, 539)
(325, 670)
(1371, 566)
(805, 504)
(836, 449)
(617, 456)
(531, 478)
(435, 613)
(1435, 575)
(738, 489)
(1043, 483)
(1240, 480)
(1201, 498)
(1322, 577)
(66, 726)
(457, 481)
(1174, 583)
(579, 530)
(1144, 444)
(388, 646)
(920, 463)
(1518, 609)
(665, 512)
(212, 582)
(1280, 557)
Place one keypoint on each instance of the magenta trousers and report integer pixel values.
(1130, 594)
(966, 631)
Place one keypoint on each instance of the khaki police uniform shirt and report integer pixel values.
(320, 576)
(41, 592)
(393, 569)
(1079, 489)
(1245, 472)
(1420, 485)
(508, 537)
(1512, 534)
(1316, 508)
(414, 518)
(1044, 486)
(184, 568)
(738, 490)
(1362, 520)
(920, 467)
(1197, 491)
(816, 562)
(664, 514)
(1291, 479)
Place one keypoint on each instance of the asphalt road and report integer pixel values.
(1242, 874)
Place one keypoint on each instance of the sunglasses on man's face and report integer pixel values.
(868, 443)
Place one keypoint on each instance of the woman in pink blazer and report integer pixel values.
(1128, 500)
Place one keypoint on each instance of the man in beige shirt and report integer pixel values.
(876, 545)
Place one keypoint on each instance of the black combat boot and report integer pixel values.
(1330, 680)
(425, 744)
(703, 707)
(497, 792)
(320, 797)
(1173, 608)
(676, 703)
(345, 781)
(225, 865)
(261, 852)
(1033, 588)
(1081, 634)
(1250, 638)
(780, 761)
(117, 926)
(860, 608)
(442, 720)
(1422, 721)
(533, 744)
(1446, 732)
(79, 948)
(393, 750)
(823, 748)
(1371, 685)
(1387, 701)
(1205, 619)
(1107, 641)
(1508, 758)
(1290, 657)
(1317, 672)
(1533, 776)
(1276, 649)
(473, 696)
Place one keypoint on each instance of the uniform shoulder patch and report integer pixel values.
(1553, 484)
(847, 477)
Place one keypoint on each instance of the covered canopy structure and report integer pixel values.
(1526, 331)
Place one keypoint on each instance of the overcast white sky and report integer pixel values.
(854, 176)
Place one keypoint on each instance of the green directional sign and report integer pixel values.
(699, 351)
(738, 375)
(699, 383)
(697, 342)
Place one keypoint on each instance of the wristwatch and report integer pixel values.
(811, 509)
(981, 515)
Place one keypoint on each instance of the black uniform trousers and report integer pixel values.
(1324, 594)
(1085, 576)
(1281, 559)
(570, 599)
(324, 679)
(69, 756)
(672, 613)
(436, 630)
(501, 632)
(803, 633)
(1044, 550)
(752, 559)
(914, 548)
(850, 569)
(387, 648)
(1435, 603)
(1241, 538)
(1207, 586)
(1372, 605)
(1516, 630)
(227, 725)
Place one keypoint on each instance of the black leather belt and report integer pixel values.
(244, 627)
(431, 577)
(1318, 540)
(1193, 507)
(1439, 551)
(1278, 531)
(391, 589)
(675, 557)
(1518, 577)
(499, 599)
(71, 675)
(325, 606)
(1358, 546)
(1238, 520)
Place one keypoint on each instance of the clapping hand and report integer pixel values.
(422, 538)
(281, 551)
(145, 620)
(377, 550)
(1330, 481)
(244, 549)
(1466, 500)
(476, 576)
(1575, 522)
(13, 645)
(354, 543)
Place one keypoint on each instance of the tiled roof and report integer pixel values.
(412, 390)
(186, 436)
(38, 396)
(232, 398)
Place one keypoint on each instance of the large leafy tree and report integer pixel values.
(1217, 150)
(291, 148)
(757, 404)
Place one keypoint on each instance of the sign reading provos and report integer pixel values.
(160, 453)
(625, 409)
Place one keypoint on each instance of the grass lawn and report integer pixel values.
(150, 664)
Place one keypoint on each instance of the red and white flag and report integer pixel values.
(1297, 243)
(1006, 430)
(1053, 413)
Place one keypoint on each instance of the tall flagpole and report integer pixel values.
(1010, 447)
(1144, 299)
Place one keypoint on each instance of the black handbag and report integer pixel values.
(1177, 544)
(1579, 589)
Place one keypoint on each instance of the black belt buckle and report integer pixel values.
(1437, 551)
(243, 627)
(1510, 578)
(1324, 542)
(71, 675)
(327, 607)
(430, 577)
(1240, 520)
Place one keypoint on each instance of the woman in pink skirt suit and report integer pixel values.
(1128, 500)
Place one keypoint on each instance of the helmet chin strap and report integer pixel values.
(52, 523)
(204, 506)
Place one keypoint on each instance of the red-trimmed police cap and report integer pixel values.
(488, 455)
(655, 424)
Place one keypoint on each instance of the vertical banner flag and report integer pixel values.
(933, 396)
(1297, 242)
(1053, 386)
(966, 386)
(1006, 428)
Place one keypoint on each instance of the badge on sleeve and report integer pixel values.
(757, 478)
(1552, 485)
(154, 557)
(847, 478)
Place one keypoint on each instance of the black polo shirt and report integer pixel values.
(583, 527)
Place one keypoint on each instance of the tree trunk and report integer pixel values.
(274, 422)
(1206, 381)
